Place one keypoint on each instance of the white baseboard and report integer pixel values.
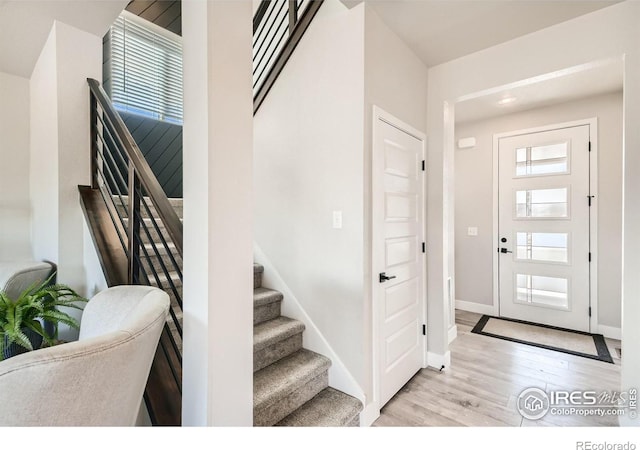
(369, 414)
(339, 376)
(437, 360)
(453, 333)
(477, 308)
(610, 332)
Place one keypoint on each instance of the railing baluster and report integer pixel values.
(293, 16)
(134, 226)
(94, 143)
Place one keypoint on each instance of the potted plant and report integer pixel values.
(21, 319)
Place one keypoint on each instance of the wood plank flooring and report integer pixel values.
(485, 378)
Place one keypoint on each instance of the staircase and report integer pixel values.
(290, 383)
(137, 232)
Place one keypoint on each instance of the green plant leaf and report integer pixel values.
(38, 301)
(60, 317)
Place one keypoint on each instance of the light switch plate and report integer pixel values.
(337, 220)
(472, 231)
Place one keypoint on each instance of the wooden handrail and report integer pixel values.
(170, 218)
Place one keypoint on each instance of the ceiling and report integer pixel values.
(25, 26)
(443, 30)
(599, 77)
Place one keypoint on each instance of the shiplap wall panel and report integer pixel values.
(161, 145)
(164, 13)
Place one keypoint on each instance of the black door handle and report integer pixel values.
(504, 250)
(384, 277)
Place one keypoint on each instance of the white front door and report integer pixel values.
(544, 201)
(397, 254)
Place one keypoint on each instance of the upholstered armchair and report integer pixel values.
(98, 380)
(16, 276)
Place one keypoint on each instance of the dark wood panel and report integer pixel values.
(176, 26)
(111, 255)
(137, 7)
(161, 145)
(155, 10)
(164, 13)
(163, 394)
(172, 13)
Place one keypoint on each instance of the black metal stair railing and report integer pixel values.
(146, 236)
(148, 229)
(278, 26)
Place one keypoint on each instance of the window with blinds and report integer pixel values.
(145, 69)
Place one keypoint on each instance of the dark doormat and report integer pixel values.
(577, 343)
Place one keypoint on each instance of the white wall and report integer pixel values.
(308, 141)
(312, 140)
(15, 241)
(474, 198)
(396, 81)
(43, 154)
(607, 33)
(60, 149)
(218, 222)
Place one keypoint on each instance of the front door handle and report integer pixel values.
(504, 250)
(383, 277)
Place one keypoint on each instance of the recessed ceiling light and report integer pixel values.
(507, 100)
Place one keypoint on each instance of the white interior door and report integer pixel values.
(543, 227)
(398, 259)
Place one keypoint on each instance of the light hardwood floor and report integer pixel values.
(485, 378)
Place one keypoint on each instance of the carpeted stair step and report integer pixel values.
(153, 254)
(274, 340)
(164, 280)
(284, 386)
(330, 408)
(154, 229)
(266, 305)
(122, 204)
(258, 270)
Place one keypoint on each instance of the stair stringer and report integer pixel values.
(339, 376)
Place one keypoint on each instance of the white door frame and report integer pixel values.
(593, 211)
(381, 115)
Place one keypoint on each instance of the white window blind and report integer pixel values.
(146, 70)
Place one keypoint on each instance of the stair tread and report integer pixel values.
(162, 250)
(149, 221)
(175, 277)
(263, 296)
(275, 330)
(285, 376)
(330, 408)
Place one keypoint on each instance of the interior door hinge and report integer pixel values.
(589, 311)
(423, 165)
(424, 330)
(589, 197)
(589, 145)
(424, 248)
(589, 256)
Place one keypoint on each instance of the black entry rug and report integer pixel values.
(577, 343)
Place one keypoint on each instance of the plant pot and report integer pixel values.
(15, 349)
